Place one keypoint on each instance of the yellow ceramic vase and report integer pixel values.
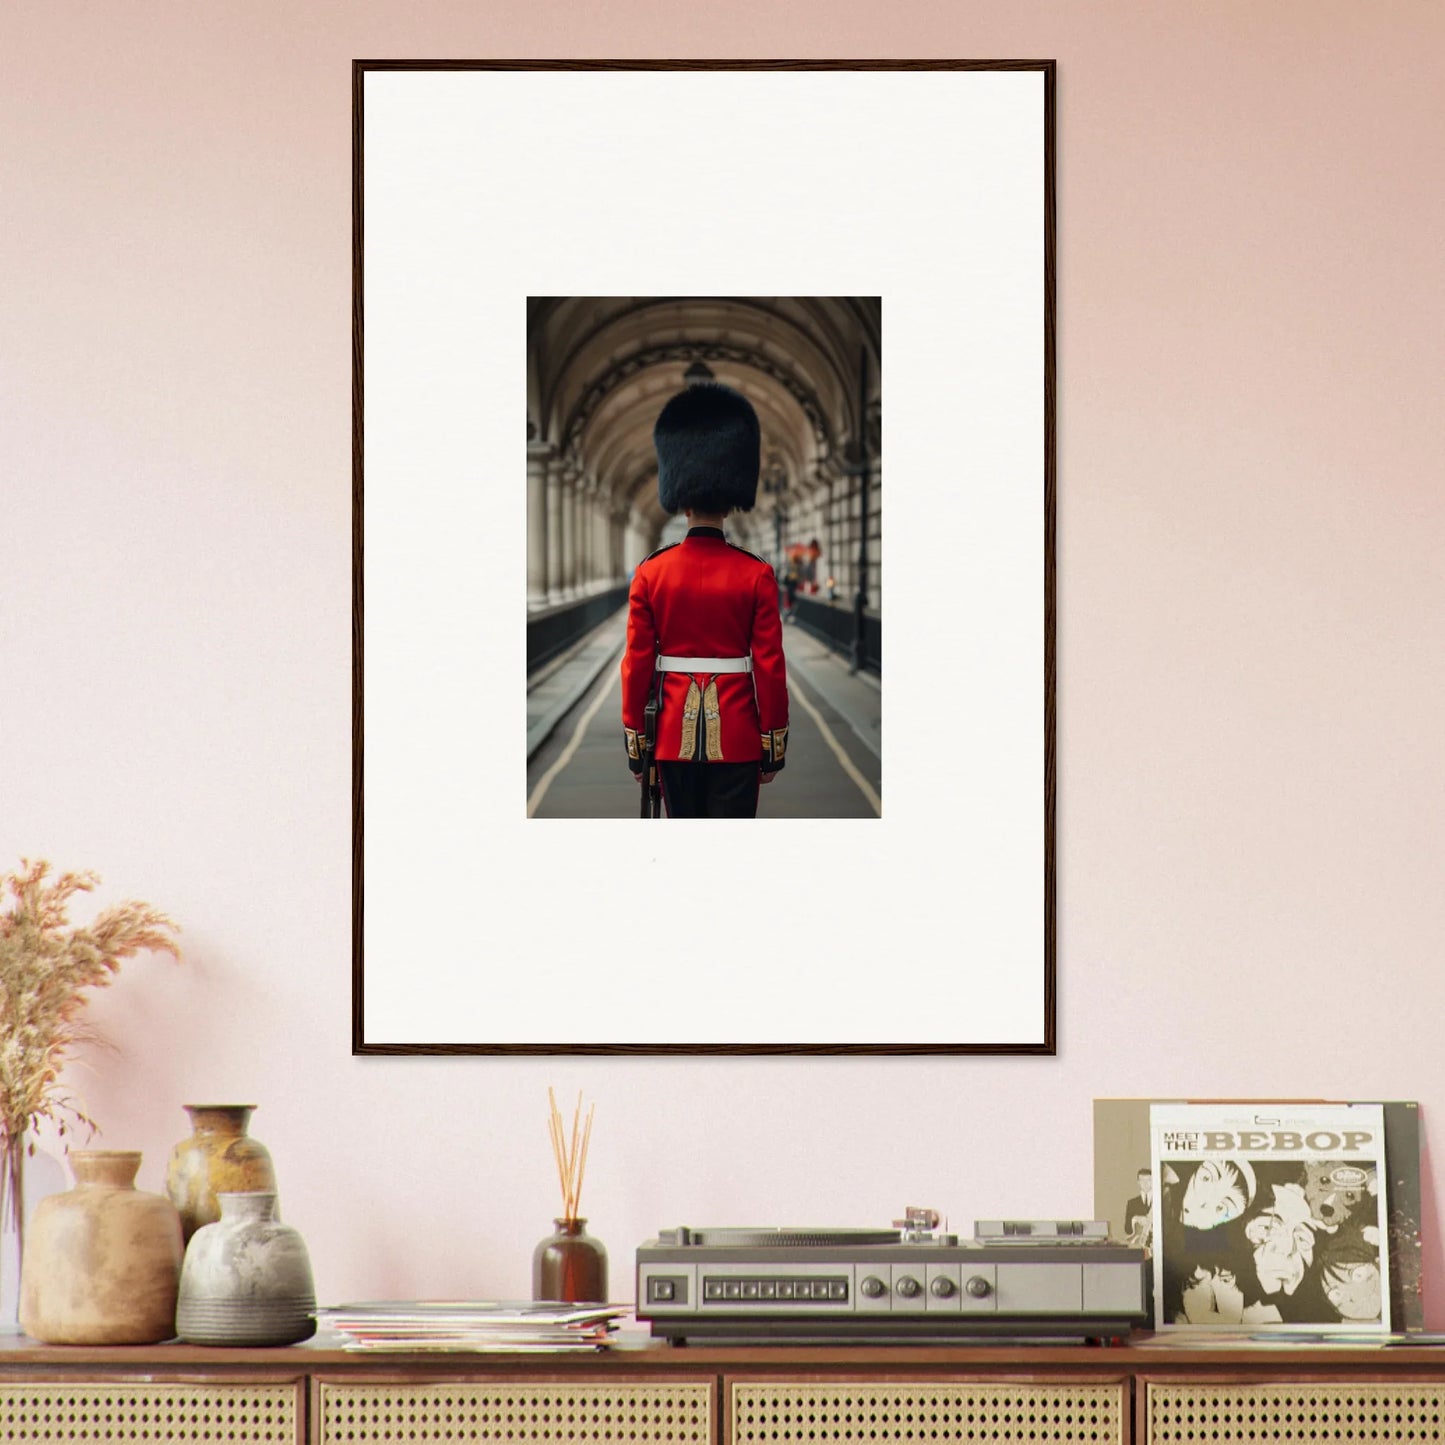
(220, 1157)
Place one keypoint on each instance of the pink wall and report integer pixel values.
(1250, 672)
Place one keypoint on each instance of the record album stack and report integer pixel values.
(511, 1327)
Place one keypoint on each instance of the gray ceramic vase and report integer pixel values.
(246, 1279)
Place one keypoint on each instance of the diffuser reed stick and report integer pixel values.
(569, 1151)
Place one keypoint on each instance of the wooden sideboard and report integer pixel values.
(647, 1393)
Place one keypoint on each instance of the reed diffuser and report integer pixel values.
(569, 1266)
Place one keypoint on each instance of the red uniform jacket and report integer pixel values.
(704, 598)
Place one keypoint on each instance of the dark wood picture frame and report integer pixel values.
(370, 1037)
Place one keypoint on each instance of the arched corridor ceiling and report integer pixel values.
(599, 370)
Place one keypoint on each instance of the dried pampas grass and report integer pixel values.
(46, 966)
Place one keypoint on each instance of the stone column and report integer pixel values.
(537, 454)
(601, 561)
(579, 534)
(831, 541)
(876, 545)
(587, 562)
(632, 542)
(554, 530)
(568, 559)
(616, 563)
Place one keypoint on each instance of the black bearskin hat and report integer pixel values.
(708, 447)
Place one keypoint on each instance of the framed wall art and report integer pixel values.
(578, 239)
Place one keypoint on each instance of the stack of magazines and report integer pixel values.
(472, 1325)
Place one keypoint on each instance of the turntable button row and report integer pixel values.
(831, 1289)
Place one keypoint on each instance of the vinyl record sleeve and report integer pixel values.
(1270, 1217)
(1123, 1186)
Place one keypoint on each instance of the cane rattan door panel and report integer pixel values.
(1325, 1413)
(471, 1413)
(146, 1413)
(894, 1413)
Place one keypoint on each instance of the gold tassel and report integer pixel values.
(688, 746)
(714, 724)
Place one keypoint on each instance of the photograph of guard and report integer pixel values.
(704, 534)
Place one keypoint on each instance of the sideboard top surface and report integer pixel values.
(637, 1353)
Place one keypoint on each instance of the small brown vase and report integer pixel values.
(570, 1265)
(219, 1157)
(102, 1262)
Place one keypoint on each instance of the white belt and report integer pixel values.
(704, 664)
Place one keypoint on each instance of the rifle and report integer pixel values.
(651, 788)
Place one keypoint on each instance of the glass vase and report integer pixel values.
(28, 1174)
(570, 1266)
(12, 1230)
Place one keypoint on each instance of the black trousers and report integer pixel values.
(710, 790)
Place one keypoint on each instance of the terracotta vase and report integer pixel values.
(219, 1157)
(570, 1265)
(102, 1262)
(246, 1279)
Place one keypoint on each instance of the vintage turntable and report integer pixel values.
(1016, 1279)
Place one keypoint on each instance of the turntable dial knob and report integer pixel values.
(908, 1287)
(873, 1287)
(978, 1286)
(942, 1287)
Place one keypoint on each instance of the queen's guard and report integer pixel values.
(704, 683)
